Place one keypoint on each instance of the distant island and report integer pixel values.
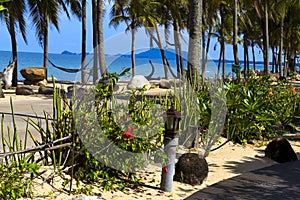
(65, 52)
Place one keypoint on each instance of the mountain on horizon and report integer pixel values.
(154, 53)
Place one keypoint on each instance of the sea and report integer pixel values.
(114, 63)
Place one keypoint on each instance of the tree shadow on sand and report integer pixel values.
(278, 181)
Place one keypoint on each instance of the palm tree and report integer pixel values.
(95, 42)
(43, 13)
(98, 39)
(2, 8)
(124, 11)
(14, 18)
(100, 36)
(83, 43)
(266, 38)
(194, 48)
(235, 33)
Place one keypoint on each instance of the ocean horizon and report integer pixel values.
(114, 63)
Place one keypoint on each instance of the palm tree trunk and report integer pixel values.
(253, 56)
(220, 59)
(13, 47)
(286, 56)
(195, 33)
(266, 38)
(206, 54)
(100, 14)
(235, 33)
(83, 44)
(133, 52)
(180, 64)
(281, 46)
(46, 46)
(245, 56)
(223, 63)
(95, 42)
(162, 51)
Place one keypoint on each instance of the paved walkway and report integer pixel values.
(23, 105)
(280, 181)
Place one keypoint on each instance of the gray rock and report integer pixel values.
(138, 82)
(47, 90)
(280, 151)
(24, 90)
(191, 169)
(165, 84)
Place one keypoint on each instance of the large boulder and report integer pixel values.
(138, 82)
(34, 73)
(280, 150)
(191, 169)
(24, 90)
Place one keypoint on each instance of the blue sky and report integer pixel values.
(69, 38)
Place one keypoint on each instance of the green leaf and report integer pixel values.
(2, 7)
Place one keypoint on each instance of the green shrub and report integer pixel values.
(16, 180)
(257, 107)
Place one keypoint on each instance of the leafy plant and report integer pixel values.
(257, 107)
(61, 125)
(16, 180)
(17, 170)
(116, 137)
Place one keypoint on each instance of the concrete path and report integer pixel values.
(33, 105)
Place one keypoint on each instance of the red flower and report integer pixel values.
(293, 90)
(128, 134)
(270, 93)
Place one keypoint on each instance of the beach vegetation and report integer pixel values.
(259, 109)
(17, 171)
(79, 140)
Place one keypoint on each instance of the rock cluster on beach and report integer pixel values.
(34, 76)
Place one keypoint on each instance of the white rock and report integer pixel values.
(138, 82)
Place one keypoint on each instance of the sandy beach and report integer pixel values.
(228, 161)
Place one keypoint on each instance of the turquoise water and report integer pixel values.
(114, 64)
